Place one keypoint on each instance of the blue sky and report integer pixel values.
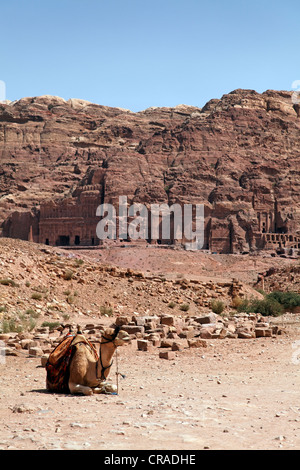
(139, 53)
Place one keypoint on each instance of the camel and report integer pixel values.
(87, 372)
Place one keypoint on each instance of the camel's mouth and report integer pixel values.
(124, 337)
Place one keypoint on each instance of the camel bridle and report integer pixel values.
(108, 340)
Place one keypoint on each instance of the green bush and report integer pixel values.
(266, 307)
(32, 313)
(36, 296)
(18, 324)
(286, 299)
(171, 304)
(52, 325)
(68, 275)
(217, 306)
(184, 307)
(10, 325)
(78, 262)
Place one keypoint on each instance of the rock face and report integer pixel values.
(238, 156)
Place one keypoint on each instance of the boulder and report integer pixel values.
(209, 318)
(169, 355)
(197, 343)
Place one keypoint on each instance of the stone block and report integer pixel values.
(222, 333)
(245, 334)
(207, 331)
(33, 344)
(259, 332)
(122, 320)
(209, 318)
(167, 320)
(187, 333)
(197, 343)
(35, 351)
(169, 355)
(263, 332)
(151, 325)
(44, 360)
(133, 329)
(7, 351)
(25, 343)
(5, 337)
(144, 345)
(176, 346)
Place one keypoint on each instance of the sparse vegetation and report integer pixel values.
(36, 296)
(184, 307)
(217, 306)
(78, 262)
(171, 304)
(267, 307)
(9, 325)
(68, 275)
(104, 310)
(70, 299)
(261, 291)
(32, 313)
(41, 289)
(287, 299)
(273, 304)
(51, 325)
(28, 323)
(18, 324)
(236, 301)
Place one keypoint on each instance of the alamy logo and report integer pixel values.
(296, 92)
(2, 352)
(296, 353)
(2, 91)
(176, 222)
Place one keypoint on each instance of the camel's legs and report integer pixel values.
(77, 388)
(105, 387)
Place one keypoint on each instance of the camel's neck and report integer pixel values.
(105, 359)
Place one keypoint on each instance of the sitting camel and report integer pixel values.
(86, 371)
(87, 374)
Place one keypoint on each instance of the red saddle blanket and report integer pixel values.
(58, 362)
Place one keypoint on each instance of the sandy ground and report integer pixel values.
(234, 394)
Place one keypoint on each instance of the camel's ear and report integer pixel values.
(117, 329)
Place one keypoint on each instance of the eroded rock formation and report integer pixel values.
(238, 155)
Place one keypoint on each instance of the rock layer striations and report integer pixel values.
(238, 155)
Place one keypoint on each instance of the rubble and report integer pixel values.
(180, 333)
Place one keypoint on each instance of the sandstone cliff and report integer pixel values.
(238, 155)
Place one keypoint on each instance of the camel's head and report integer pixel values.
(116, 336)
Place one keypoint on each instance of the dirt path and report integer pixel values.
(234, 394)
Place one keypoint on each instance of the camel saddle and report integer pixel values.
(58, 362)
